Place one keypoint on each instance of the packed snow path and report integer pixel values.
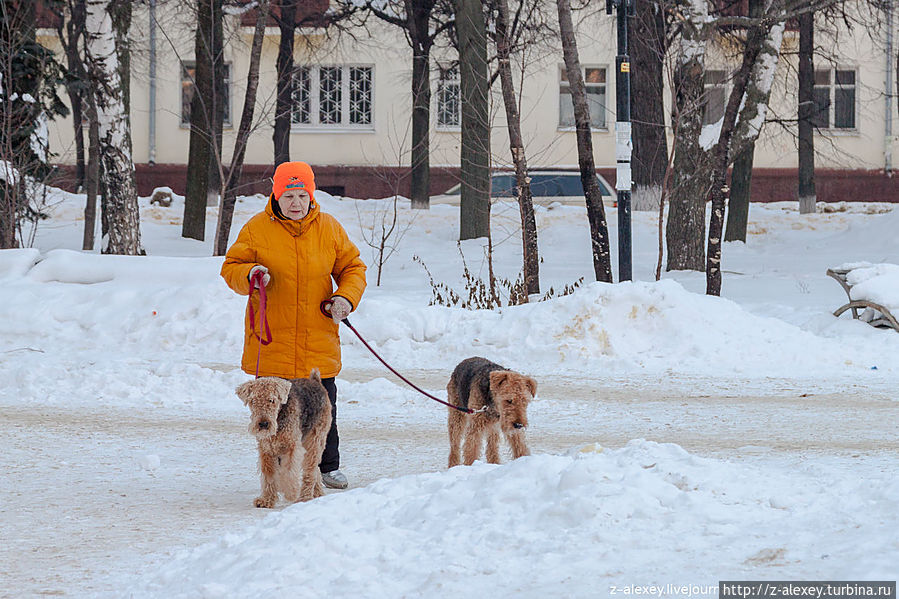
(101, 495)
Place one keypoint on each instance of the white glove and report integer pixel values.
(340, 308)
(265, 276)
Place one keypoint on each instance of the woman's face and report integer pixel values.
(294, 203)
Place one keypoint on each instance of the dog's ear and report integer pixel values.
(498, 377)
(283, 387)
(531, 385)
(243, 392)
(315, 375)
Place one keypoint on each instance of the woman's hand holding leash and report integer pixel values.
(340, 308)
(265, 276)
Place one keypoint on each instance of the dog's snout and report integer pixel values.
(263, 424)
(518, 425)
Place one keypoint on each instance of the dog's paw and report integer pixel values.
(318, 491)
(264, 502)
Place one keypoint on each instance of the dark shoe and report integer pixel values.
(334, 479)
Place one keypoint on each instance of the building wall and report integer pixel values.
(375, 157)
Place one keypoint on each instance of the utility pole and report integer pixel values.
(623, 143)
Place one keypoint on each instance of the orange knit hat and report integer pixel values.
(293, 175)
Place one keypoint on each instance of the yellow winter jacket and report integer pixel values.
(302, 257)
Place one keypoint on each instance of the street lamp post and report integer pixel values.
(623, 144)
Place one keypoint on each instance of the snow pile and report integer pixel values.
(878, 283)
(545, 523)
(655, 327)
(149, 306)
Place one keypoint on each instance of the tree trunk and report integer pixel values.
(531, 259)
(418, 14)
(740, 195)
(206, 115)
(92, 172)
(650, 158)
(599, 232)
(685, 229)
(760, 57)
(741, 177)
(475, 156)
(226, 211)
(287, 23)
(807, 197)
(77, 80)
(114, 131)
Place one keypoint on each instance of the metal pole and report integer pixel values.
(623, 144)
(151, 157)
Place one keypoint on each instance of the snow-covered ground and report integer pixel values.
(678, 439)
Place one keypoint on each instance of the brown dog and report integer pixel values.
(290, 420)
(478, 383)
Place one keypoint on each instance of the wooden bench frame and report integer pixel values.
(884, 320)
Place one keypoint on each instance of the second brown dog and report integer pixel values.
(502, 396)
(290, 420)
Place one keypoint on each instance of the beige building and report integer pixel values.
(352, 107)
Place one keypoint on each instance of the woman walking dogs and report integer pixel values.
(299, 250)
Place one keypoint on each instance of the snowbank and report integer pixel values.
(546, 525)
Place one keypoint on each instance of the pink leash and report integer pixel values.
(325, 307)
(256, 282)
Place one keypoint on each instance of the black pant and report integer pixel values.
(331, 456)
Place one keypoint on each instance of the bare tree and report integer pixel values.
(530, 253)
(471, 30)
(286, 16)
(599, 232)
(229, 197)
(685, 229)
(648, 32)
(207, 114)
(29, 75)
(102, 35)
(421, 25)
(807, 111)
(748, 102)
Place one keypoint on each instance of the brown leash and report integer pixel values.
(326, 310)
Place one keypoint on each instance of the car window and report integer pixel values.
(542, 185)
(545, 185)
(503, 186)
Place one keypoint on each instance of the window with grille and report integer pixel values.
(834, 95)
(595, 82)
(332, 96)
(449, 109)
(714, 96)
(188, 74)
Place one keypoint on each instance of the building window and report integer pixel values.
(595, 81)
(449, 93)
(188, 73)
(834, 99)
(714, 96)
(332, 96)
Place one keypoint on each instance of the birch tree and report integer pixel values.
(743, 120)
(122, 217)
